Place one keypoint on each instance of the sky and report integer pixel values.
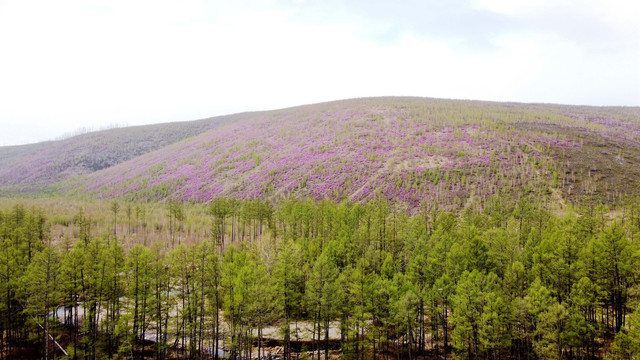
(90, 64)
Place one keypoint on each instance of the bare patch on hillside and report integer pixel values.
(605, 167)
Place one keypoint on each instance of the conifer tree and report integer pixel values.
(41, 293)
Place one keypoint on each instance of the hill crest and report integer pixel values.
(408, 150)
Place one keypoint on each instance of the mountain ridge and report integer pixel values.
(406, 149)
(35, 167)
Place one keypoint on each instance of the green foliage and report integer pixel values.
(512, 278)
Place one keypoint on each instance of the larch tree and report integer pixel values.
(41, 293)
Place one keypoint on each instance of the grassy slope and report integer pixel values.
(406, 149)
(34, 167)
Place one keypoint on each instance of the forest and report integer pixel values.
(503, 278)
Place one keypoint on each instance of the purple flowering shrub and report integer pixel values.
(406, 150)
(36, 166)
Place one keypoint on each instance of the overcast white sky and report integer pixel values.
(65, 65)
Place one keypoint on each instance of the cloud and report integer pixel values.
(591, 23)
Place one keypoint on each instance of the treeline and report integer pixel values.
(510, 280)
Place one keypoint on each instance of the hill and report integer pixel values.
(409, 150)
(35, 167)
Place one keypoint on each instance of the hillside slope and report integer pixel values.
(34, 167)
(409, 150)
